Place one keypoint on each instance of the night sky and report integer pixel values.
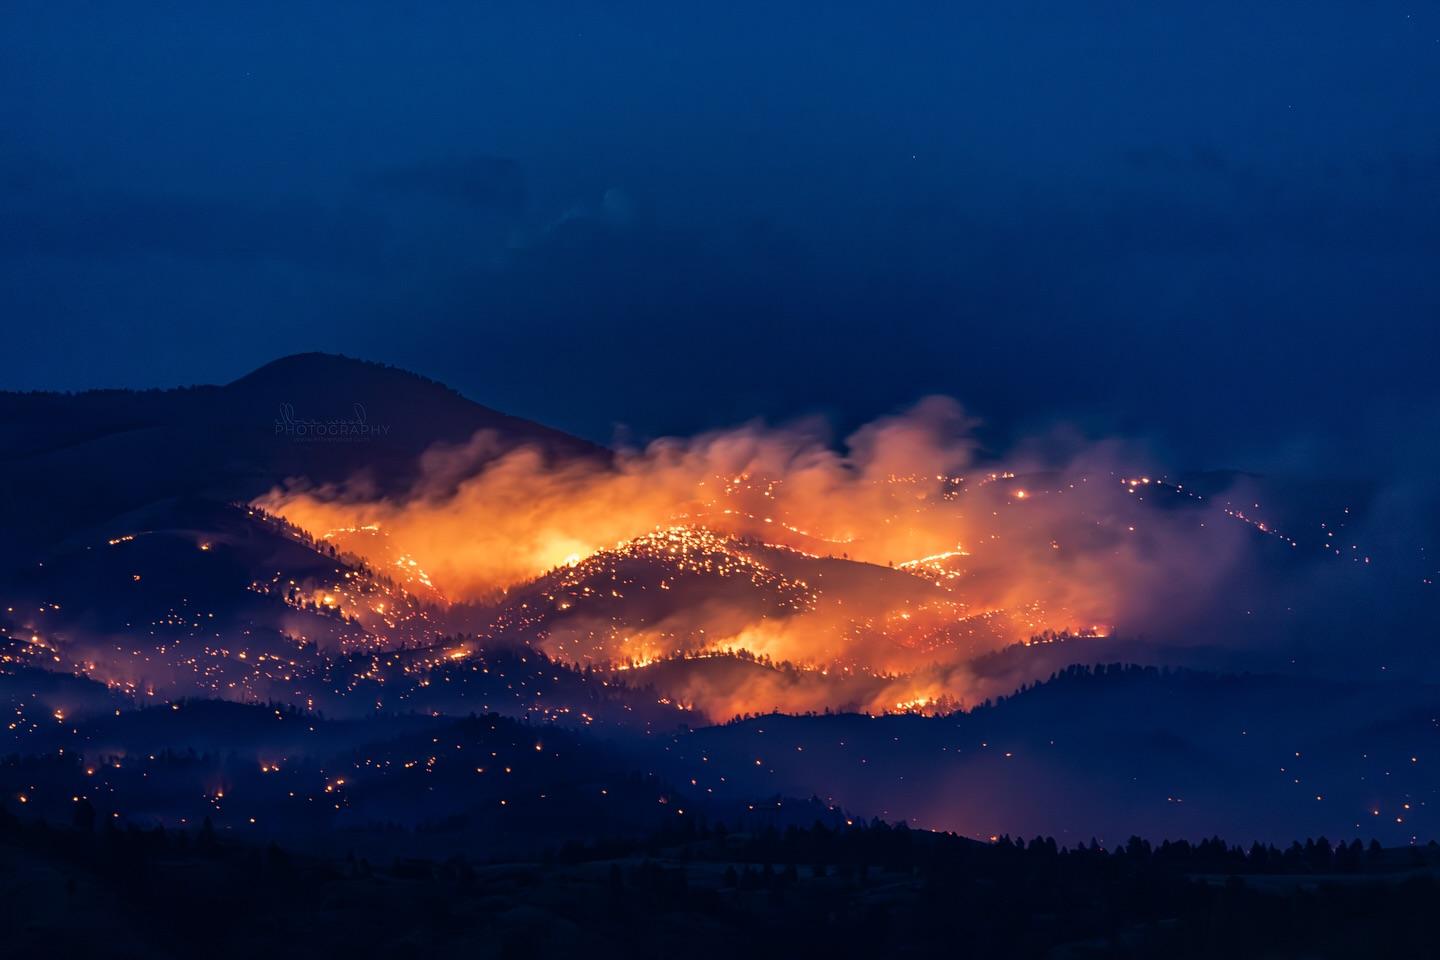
(1213, 227)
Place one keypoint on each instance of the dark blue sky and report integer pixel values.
(1216, 226)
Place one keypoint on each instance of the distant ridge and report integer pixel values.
(315, 364)
(75, 460)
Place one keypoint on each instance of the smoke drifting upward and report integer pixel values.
(900, 552)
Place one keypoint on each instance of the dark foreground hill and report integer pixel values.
(865, 891)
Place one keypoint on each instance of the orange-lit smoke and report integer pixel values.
(478, 523)
(981, 556)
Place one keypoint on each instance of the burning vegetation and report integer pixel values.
(897, 560)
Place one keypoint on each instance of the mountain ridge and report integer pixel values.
(77, 460)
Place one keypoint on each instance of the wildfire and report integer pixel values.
(894, 555)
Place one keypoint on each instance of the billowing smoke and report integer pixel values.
(901, 553)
